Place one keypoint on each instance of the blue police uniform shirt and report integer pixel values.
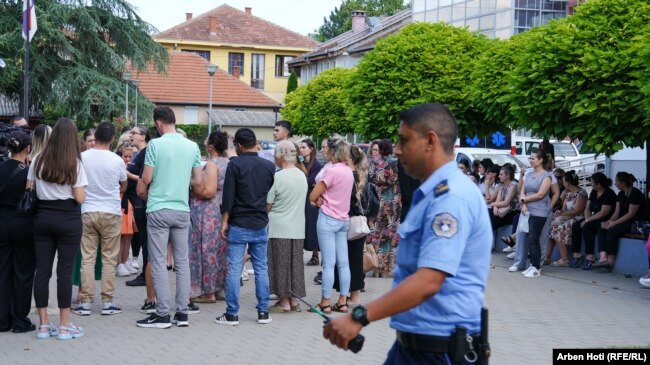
(447, 229)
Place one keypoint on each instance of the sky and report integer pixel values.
(301, 16)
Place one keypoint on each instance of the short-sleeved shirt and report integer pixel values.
(173, 157)
(51, 191)
(136, 166)
(634, 198)
(608, 197)
(336, 199)
(532, 184)
(105, 170)
(288, 195)
(447, 229)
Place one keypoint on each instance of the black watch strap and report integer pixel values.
(359, 315)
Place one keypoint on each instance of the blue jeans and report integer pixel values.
(257, 240)
(333, 242)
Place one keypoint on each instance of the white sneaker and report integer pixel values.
(250, 272)
(527, 270)
(511, 255)
(508, 249)
(244, 276)
(134, 262)
(122, 270)
(514, 268)
(645, 282)
(533, 273)
(131, 269)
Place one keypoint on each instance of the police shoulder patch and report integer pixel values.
(441, 189)
(445, 225)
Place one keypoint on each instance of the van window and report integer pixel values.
(530, 146)
(518, 148)
(564, 150)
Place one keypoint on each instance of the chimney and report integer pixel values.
(358, 20)
(188, 16)
(248, 10)
(213, 25)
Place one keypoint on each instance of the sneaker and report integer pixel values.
(514, 268)
(318, 279)
(111, 308)
(511, 255)
(52, 331)
(138, 281)
(82, 309)
(73, 332)
(527, 270)
(646, 276)
(533, 273)
(131, 269)
(193, 309)
(155, 321)
(244, 276)
(227, 319)
(180, 319)
(508, 249)
(134, 263)
(645, 282)
(263, 318)
(148, 307)
(122, 270)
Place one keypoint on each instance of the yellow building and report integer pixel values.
(249, 48)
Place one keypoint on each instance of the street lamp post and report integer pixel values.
(126, 77)
(211, 71)
(136, 84)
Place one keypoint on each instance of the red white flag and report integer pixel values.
(29, 19)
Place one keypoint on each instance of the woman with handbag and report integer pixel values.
(17, 257)
(359, 229)
(60, 181)
(332, 195)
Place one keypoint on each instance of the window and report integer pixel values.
(235, 64)
(257, 71)
(281, 66)
(204, 54)
(191, 115)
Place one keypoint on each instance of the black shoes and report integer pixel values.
(148, 307)
(263, 318)
(138, 281)
(228, 320)
(180, 319)
(155, 321)
(318, 279)
(313, 261)
(193, 309)
(27, 328)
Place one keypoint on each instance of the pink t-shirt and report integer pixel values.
(336, 199)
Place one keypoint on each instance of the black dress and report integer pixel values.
(355, 247)
(311, 213)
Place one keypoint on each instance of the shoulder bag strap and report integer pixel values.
(18, 168)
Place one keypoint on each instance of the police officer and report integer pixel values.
(443, 255)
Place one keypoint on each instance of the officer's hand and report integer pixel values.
(341, 330)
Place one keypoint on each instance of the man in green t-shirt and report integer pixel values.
(172, 164)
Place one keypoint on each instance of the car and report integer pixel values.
(499, 157)
(567, 156)
(268, 145)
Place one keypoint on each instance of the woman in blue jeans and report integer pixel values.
(332, 195)
(536, 203)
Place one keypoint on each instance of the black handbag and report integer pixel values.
(28, 203)
(370, 200)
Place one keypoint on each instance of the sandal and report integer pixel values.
(339, 307)
(560, 263)
(508, 240)
(73, 332)
(313, 261)
(325, 309)
(296, 308)
(277, 308)
(202, 299)
(52, 331)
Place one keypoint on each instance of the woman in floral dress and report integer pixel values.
(575, 201)
(383, 229)
(208, 264)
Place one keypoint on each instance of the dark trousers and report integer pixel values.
(57, 230)
(588, 232)
(399, 355)
(17, 266)
(498, 222)
(608, 238)
(535, 226)
(515, 221)
(355, 257)
(139, 241)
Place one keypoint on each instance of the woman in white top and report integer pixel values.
(60, 181)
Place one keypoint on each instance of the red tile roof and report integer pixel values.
(187, 82)
(235, 26)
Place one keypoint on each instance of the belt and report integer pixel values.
(428, 343)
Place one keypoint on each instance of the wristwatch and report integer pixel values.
(359, 315)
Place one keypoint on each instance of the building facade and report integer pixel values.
(494, 18)
(247, 47)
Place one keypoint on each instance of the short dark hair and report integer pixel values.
(164, 114)
(385, 147)
(15, 118)
(435, 117)
(600, 179)
(286, 125)
(245, 137)
(218, 140)
(105, 132)
(487, 163)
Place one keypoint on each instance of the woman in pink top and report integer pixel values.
(332, 194)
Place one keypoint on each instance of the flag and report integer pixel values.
(29, 19)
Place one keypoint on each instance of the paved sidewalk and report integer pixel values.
(528, 318)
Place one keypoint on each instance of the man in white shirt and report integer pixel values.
(102, 219)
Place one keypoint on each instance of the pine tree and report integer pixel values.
(292, 83)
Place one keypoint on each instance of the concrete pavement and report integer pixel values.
(528, 318)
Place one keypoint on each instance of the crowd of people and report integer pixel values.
(548, 209)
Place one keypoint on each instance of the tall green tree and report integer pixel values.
(340, 19)
(78, 55)
(422, 63)
(320, 108)
(292, 83)
(578, 76)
